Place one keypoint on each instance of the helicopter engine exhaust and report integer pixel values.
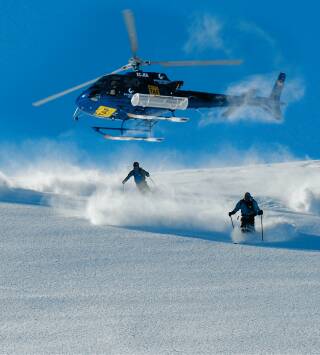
(160, 101)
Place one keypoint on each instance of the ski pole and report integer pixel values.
(152, 180)
(232, 222)
(261, 229)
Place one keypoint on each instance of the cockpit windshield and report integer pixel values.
(109, 84)
(115, 84)
(109, 81)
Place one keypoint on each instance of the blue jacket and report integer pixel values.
(139, 176)
(248, 208)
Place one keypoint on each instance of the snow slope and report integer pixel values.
(166, 277)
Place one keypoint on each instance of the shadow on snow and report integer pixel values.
(301, 241)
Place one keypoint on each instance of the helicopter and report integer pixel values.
(138, 100)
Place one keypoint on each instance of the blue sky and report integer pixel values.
(47, 47)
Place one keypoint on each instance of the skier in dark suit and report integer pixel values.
(249, 209)
(139, 176)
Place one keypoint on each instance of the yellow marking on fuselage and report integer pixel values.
(153, 90)
(104, 111)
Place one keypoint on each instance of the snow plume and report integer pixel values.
(228, 156)
(275, 229)
(168, 208)
(306, 198)
(98, 196)
(193, 201)
(254, 29)
(4, 181)
(81, 189)
(205, 32)
(256, 85)
(208, 32)
(258, 36)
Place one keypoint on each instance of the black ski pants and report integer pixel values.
(247, 221)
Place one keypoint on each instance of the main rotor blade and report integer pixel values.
(74, 88)
(63, 93)
(188, 63)
(131, 28)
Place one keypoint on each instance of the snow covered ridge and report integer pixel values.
(191, 201)
(71, 287)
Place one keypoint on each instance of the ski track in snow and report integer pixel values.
(165, 278)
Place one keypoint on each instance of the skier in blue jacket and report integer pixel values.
(249, 209)
(139, 176)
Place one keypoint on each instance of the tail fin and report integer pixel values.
(273, 104)
(278, 86)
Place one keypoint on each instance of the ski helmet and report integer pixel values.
(247, 196)
(135, 164)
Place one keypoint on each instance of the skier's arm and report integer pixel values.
(145, 173)
(236, 209)
(128, 177)
(256, 208)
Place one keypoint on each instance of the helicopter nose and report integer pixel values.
(82, 101)
(80, 98)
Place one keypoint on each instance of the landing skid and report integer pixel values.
(140, 127)
(128, 138)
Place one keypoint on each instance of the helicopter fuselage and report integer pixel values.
(152, 97)
(111, 96)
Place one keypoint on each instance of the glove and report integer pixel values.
(230, 214)
(260, 213)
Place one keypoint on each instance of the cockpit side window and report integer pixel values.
(131, 82)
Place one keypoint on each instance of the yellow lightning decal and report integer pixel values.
(104, 111)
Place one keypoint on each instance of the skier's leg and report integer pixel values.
(251, 223)
(244, 224)
(139, 187)
(143, 187)
(146, 187)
